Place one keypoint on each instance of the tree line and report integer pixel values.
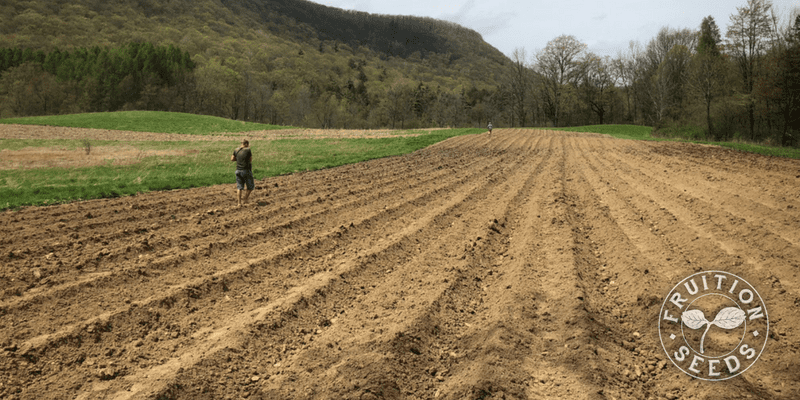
(321, 88)
(685, 82)
(139, 75)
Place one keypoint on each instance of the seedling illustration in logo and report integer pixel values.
(720, 348)
(728, 318)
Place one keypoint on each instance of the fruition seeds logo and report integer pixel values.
(713, 325)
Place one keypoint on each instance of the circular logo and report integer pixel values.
(713, 325)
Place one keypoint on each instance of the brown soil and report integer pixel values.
(48, 157)
(13, 131)
(521, 265)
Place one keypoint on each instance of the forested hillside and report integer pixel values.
(294, 62)
(284, 62)
(137, 75)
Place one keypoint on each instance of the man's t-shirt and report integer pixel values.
(243, 156)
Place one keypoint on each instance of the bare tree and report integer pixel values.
(665, 71)
(791, 85)
(667, 38)
(778, 86)
(624, 73)
(558, 67)
(325, 110)
(520, 85)
(398, 102)
(749, 34)
(596, 83)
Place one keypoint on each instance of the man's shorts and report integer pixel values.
(244, 177)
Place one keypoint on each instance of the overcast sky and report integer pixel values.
(605, 26)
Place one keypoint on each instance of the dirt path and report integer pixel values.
(525, 264)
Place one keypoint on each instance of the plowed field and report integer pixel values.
(521, 265)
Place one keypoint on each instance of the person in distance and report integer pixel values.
(244, 171)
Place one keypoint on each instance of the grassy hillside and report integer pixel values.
(146, 121)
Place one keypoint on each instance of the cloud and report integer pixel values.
(479, 18)
(458, 17)
(365, 5)
(491, 24)
(600, 17)
(490, 29)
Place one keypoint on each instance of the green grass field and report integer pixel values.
(637, 132)
(146, 121)
(195, 163)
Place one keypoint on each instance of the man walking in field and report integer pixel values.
(490, 127)
(244, 171)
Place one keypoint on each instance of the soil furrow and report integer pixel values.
(716, 164)
(617, 250)
(285, 318)
(232, 285)
(712, 188)
(733, 234)
(700, 248)
(562, 363)
(523, 264)
(498, 324)
(169, 270)
(201, 231)
(637, 221)
(403, 335)
(199, 240)
(85, 253)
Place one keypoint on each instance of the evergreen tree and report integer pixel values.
(710, 38)
(108, 78)
(707, 68)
